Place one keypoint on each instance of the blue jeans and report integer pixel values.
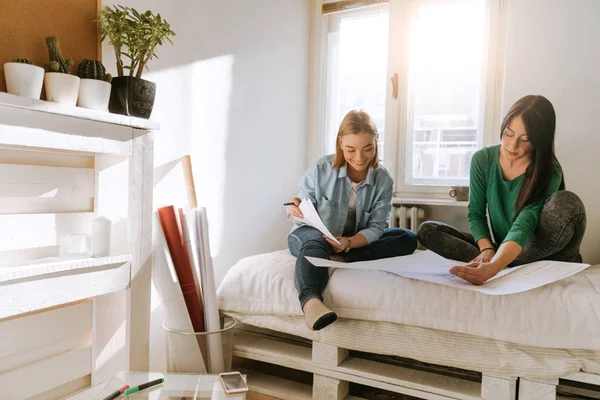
(308, 241)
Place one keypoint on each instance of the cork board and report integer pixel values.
(26, 24)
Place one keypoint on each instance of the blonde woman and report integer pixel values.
(352, 193)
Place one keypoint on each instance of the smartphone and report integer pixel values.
(233, 382)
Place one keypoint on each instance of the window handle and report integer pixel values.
(394, 80)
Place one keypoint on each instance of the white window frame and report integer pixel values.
(396, 115)
(336, 20)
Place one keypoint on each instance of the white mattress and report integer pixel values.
(562, 315)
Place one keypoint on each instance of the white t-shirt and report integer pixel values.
(350, 226)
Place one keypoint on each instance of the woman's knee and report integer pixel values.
(306, 237)
(426, 230)
(564, 202)
(399, 232)
(562, 224)
(402, 240)
(561, 208)
(314, 246)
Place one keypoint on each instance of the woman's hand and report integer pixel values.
(485, 256)
(294, 210)
(338, 248)
(476, 272)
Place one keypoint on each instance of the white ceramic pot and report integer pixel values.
(61, 88)
(24, 79)
(94, 94)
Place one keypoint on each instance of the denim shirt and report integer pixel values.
(330, 188)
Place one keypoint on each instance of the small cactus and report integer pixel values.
(91, 69)
(57, 63)
(22, 61)
(52, 66)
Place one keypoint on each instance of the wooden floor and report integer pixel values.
(258, 396)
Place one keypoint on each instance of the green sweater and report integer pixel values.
(488, 188)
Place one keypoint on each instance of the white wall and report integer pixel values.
(553, 49)
(232, 92)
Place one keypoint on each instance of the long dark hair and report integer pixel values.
(539, 119)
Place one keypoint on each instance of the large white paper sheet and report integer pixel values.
(311, 217)
(211, 307)
(431, 267)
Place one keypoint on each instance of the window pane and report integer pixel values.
(446, 72)
(357, 68)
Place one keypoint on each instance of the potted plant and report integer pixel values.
(94, 87)
(136, 37)
(23, 78)
(61, 86)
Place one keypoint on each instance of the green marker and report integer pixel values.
(143, 386)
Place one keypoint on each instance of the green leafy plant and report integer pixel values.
(92, 69)
(57, 63)
(22, 61)
(133, 35)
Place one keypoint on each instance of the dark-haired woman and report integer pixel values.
(521, 186)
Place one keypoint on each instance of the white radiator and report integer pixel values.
(408, 217)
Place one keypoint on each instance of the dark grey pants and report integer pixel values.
(557, 237)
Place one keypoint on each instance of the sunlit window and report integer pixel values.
(446, 70)
(357, 62)
(445, 54)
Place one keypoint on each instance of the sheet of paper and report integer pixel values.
(211, 306)
(430, 267)
(423, 262)
(531, 276)
(311, 218)
(593, 274)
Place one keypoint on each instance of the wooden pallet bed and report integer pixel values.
(468, 345)
(334, 370)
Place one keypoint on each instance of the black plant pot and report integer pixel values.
(132, 96)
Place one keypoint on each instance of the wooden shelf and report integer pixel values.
(26, 295)
(76, 112)
(61, 166)
(9, 272)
